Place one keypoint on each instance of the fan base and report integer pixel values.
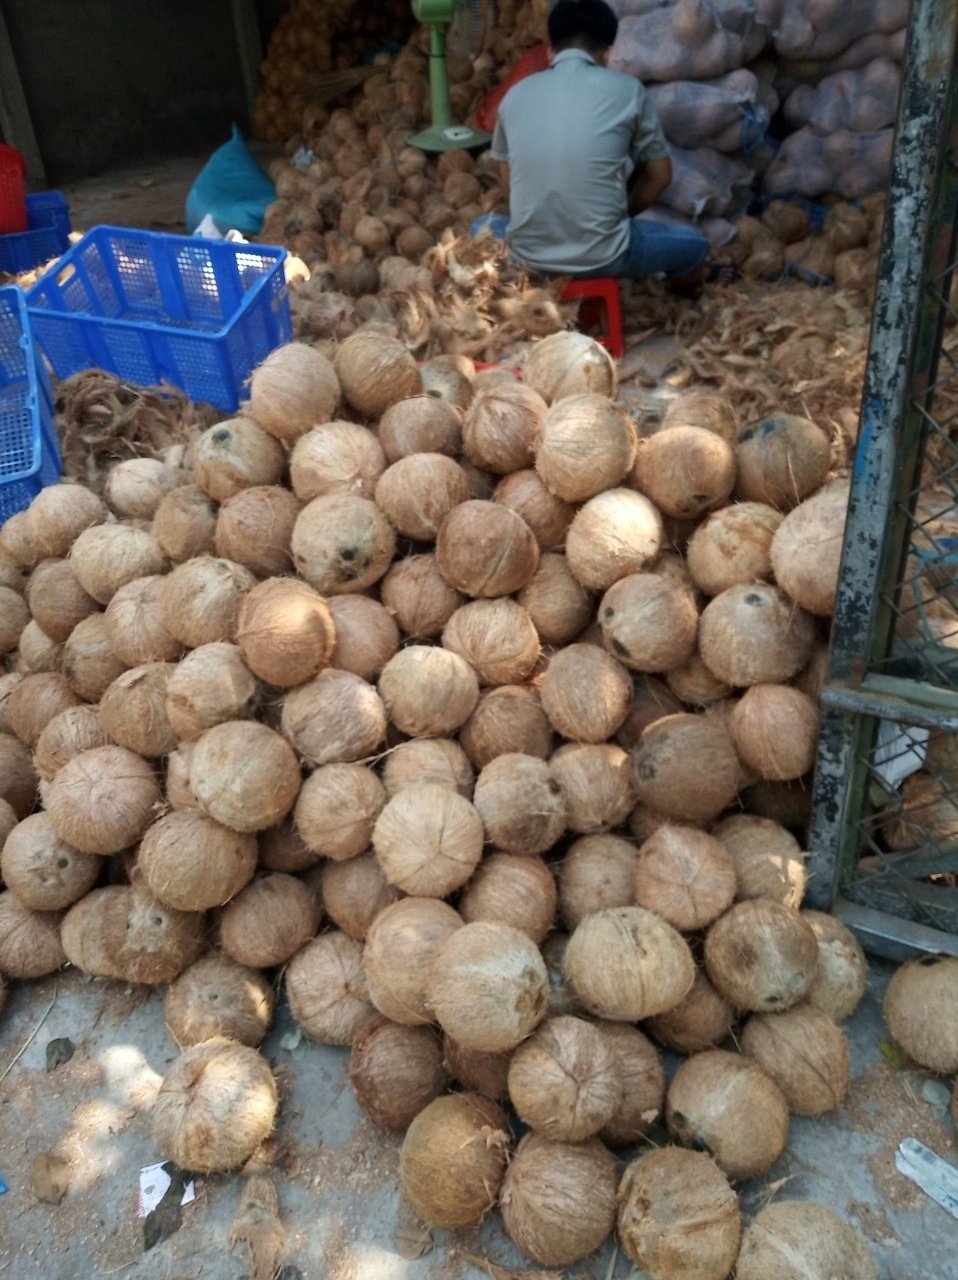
(453, 136)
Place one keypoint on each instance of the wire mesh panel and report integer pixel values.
(884, 832)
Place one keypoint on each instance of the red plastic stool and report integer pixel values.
(599, 305)
(13, 200)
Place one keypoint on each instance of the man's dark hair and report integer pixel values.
(587, 24)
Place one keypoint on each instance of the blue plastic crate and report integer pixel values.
(47, 234)
(29, 450)
(152, 308)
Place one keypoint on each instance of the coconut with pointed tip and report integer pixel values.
(342, 543)
(401, 943)
(285, 631)
(335, 716)
(395, 1071)
(520, 804)
(781, 460)
(841, 978)
(805, 1053)
(733, 546)
(418, 597)
(626, 963)
(919, 1008)
(753, 633)
(292, 389)
(730, 1106)
(103, 799)
(216, 1104)
(807, 548)
(525, 493)
(585, 693)
(215, 996)
(326, 988)
(30, 945)
(496, 638)
(761, 956)
(799, 1240)
(586, 444)
(570, 364)
(678, 1216)
(453, 1158)
(254, 528)
(485, 549)
(685, 767)
(36, 652)
(244, 775)
(184, 523)
(428, 691)
(506, 719)
(420, 424)
(43, 871)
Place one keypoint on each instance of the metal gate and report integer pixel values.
(884, 830)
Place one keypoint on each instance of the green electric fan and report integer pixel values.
(468, 24)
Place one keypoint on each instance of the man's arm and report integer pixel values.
(647, 183)
(504, 179)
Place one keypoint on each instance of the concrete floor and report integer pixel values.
(337, 1174)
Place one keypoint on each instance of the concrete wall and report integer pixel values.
(108, 82)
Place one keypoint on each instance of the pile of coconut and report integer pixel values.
(483, 729)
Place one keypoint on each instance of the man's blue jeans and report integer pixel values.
(654, 247)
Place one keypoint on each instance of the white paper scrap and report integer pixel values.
(154, 1184)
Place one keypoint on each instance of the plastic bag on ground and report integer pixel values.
(863, 100)
(232, 188)
(705, 181)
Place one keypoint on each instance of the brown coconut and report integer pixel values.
(685, 876)
(754, 633)
(485, 549)
(585, 445)
(234, 455)
(11, 577)
(210, 685)
(642, 1076)
(395, 1071)
(366, 635)
(564, 1081)
(37, 652)
(703, 1019)
(337, 808)
(200, 600)
(420, 424)
(428, 840)
(244, 775)
(488, 986)
(179, 793)
(103, 799)
(595, 873)
(107, 556)
(94, 928)
(558, 1198)
(30, 944)
(8, 682)
(428, 691)
(375, 371)
(184, 523)
(336, 716)
(401, 944)
(254, 528)
(616, 533)
(500, 427)
(215, 996)
(216, 1104)
(807, 548)
(89, 663)
(34, 701)
(520, 803)
(133, 710)
(727, 1105)
(281, 848)
(761, 956)
(805, 1053)
(419, 598)
(570, 364)
(733, 545)
(496, 638)
(686, 471)
(439, 760)
(342, 543)
(685, 767)
(43, 871)
(269, 920)
(649, 622)
(557, 604)
(507, 719)
(696, 407)
(453, 1158)
(354, 892)
(16, 543)
(418, 492)
(59, 514)
(285, 631)
(695, 685)
(133, 626)
(336, 457)
(192, 863)
(775, 730)
(626, 963)
(326, 988)
(841, 978)
(678, 1216)
(769, 862)
(585, 693)
(919, 1008)
(136, 486)
(781, 460)
(451, 382)
(485, 1073)
(651, 700)
(56, 601)
(520, 892)
(18, 778)
(525, 493)
(293, 389)
(594, 778)
(799, 1240)
(150, 942)
(8, 820)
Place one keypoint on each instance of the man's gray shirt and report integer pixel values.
(567, 134)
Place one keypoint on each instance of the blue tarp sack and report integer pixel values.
(233, 188)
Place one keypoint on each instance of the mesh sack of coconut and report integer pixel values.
(859, 53)
(704, 181)
(691, 41)
(824, 28)
(842, 163)
(863, 100)
(728, 112)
